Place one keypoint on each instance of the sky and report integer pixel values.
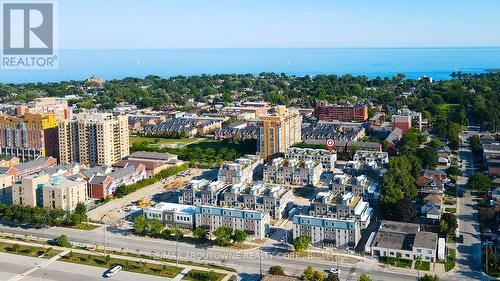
(134, 24)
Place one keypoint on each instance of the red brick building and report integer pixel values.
(329, 113)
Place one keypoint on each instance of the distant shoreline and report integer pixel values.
(437, 63)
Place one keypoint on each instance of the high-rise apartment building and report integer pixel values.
(29, 136)
(278, 131)
(329, 113)
(93, 139)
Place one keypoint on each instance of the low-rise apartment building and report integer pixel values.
(240, 171)
(255, 223)
(331, 112)
(172, 215)
(49, 192)
(334, 220)
(293, 172)
(324, 157)
(405, 238)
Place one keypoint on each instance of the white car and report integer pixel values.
(113, 271)
(335, 271)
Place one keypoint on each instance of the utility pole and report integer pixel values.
(177, 252)
(260, 263)
(104, 239)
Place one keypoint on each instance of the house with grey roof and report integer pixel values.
(405, 238)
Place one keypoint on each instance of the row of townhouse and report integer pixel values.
(326, 158)
(241, 171)
(293, 172)
(275, 200)
(255, 223)
(189, 125)
(333, 220)
(104, 180)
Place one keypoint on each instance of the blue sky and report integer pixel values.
(129, 24)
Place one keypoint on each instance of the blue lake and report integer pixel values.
(372, 62)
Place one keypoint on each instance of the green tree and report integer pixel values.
(166, 233)
(475, 145)
(177, 233)
(428, 277)
(223, 235)
(107, 259)
(454, 170)
(398, 256)
(479, 182)
(308, 274)
(156, 227)
(436, 144)
(451, 223)
(443, 227)
(200, 233)
(364, 277)
(141, 225)
(62, 241)
(332, 277)
(428, 156)
(239, 236)
(301, 243)
(276, 270)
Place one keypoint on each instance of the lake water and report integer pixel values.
(414, 62)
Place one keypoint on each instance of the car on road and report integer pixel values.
(334, 271)
(282, 239)
(112, 271)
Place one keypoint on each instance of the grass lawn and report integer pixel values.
(198, 275)
(424, 265)
(132, 266)
(155, 141)
(449, 264)
(169, 260)
(450, 210)
(403, 263)
(85, 226)
(30, 251)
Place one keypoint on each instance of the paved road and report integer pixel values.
(469, 252)
(246, 262)
(12, 265)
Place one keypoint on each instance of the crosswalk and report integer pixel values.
(42, 265)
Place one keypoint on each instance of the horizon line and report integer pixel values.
(257, 48)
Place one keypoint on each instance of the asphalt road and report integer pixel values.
(246, 262)
(469, 252)
(13, 265)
